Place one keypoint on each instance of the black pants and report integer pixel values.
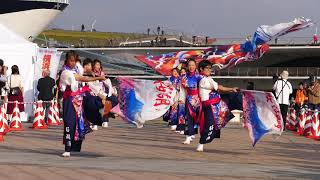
(46, 106)
(209, 132)
(284, 111)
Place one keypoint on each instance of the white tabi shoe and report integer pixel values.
(95, 127)
(173, 127)
(188, 140)
(105, 124)
(181, 132)
(200, 148)
(66, 154)
(193, 136)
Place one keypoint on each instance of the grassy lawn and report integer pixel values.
(88, 38)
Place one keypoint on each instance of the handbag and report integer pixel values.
(14, 91)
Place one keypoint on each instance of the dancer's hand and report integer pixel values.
(235, 89)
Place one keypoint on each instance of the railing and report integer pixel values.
(57, 1)
(268, 71)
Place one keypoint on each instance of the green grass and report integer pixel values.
(89, 38)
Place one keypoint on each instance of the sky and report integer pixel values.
(214, 18)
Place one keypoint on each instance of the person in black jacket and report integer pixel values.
(45, 87)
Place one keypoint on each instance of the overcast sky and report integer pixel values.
(217, 18)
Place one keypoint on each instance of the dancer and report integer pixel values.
(172, 115)
(181, 106)
(74, 128)
(209, 92)
(190, 82)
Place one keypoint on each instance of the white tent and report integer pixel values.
(14, 50)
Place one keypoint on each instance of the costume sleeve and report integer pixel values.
(182, 94)
(3, 79)
(68, 79)
(208, 84)
(108, 83)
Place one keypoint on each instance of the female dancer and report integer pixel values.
(190, 82)
(74, 128)
(209, 92)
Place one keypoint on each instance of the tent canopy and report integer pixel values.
(14, 50)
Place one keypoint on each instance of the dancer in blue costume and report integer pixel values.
(172, 115)
(190, 82)
(73, 92)
(210, 111)
(181, 106)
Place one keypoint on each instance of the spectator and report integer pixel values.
(82, 27)
(15, 83)
(283, 89)
(3, 82)
(314, 93)
(45, 87)
(250, 86)
(158, 30)
(148, 31)
(97, 68)
(301, 96)
(315, 39)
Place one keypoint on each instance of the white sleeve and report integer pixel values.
(208, 84)
(21, 82)
(275, 85)
(108, 83)
(67, 78)
(291, 90)
(214, 84)
(182, 94)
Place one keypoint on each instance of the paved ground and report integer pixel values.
(124, 152)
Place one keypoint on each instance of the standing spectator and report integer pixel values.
(283, 89)
(148, 31)
(301, 96)
(314, 93)
(158, 30)
(45, 87)
(15, 89)
(82, 27)
(315, 39)
(3, 82)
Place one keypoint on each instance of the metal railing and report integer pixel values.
(268, 71)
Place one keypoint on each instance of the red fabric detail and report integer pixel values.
(69, 93)
(201, 119)
(192, 92)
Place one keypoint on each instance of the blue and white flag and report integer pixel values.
(261, 114)
(266, 33)
(144, 100)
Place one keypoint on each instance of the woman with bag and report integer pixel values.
(15, 84)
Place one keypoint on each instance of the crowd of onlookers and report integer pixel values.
(306, 95)
(11, 87)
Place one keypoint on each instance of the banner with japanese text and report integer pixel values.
(47, 59)
(261, 114)
(144, 100)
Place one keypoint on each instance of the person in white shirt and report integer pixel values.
(282, 89)
(209, 92)
(73, 92)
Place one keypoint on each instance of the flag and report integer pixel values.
(164, 63)
(144, 100)
(223, 56)
(266, 33)
(226, 56)
(261, 114)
